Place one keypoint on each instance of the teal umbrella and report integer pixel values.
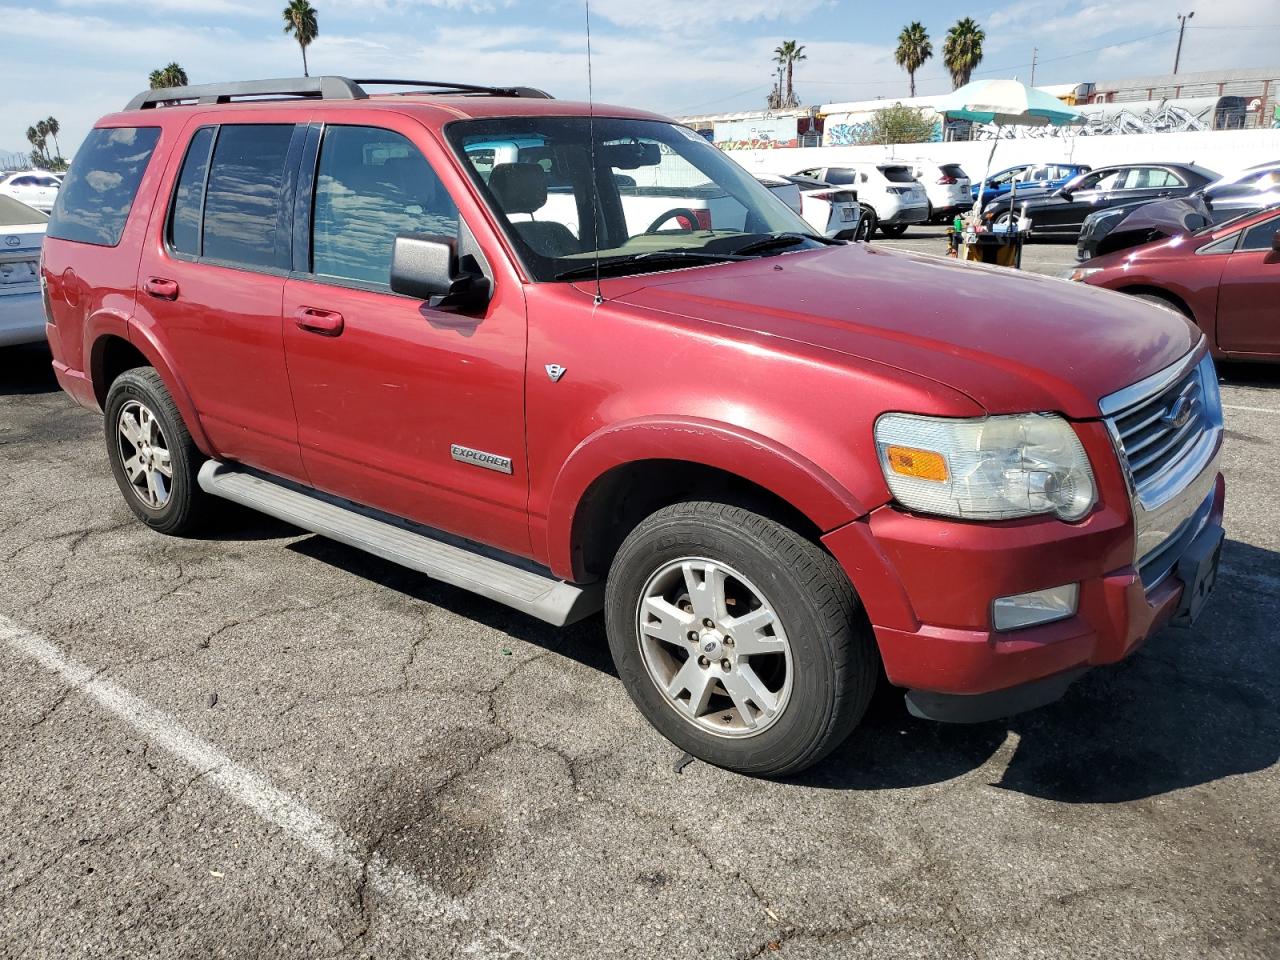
(1005, 103)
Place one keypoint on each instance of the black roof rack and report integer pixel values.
(317, 88)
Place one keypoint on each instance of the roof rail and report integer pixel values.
(319, 88)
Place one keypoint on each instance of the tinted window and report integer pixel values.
(188, 198)
(242, 208)
(1260, 237)
(953, 170)
(371, 185)
(897, 174)
(835, 175)
(95, 199)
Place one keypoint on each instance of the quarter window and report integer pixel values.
(371, 185)
(242, 212)
(1260, 236)
(188, 198)
(94, 202)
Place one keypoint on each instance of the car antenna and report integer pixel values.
(591, 142)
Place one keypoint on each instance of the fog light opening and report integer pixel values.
(1035, 608)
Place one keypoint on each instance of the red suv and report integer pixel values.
(577, 360)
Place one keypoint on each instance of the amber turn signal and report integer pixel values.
(911, 462)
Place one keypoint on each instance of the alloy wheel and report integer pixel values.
(144, 454)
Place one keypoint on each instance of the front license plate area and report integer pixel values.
(1198, 571)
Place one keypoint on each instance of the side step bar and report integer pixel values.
(516, 583)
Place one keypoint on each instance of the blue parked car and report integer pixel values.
(1031, 177)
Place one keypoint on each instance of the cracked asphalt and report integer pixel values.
(264, 744)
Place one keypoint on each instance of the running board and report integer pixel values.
(434, 553)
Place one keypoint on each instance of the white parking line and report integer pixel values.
(407, 890)
(1232, 406)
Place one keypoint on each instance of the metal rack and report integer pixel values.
(315, 88)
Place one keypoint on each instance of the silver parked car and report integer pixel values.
(21, 308)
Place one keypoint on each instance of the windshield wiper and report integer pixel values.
(607, 267)
(778, 240)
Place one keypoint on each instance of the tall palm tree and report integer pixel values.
(913, 50)
(36, 137)
(53, 127)
(171, 76)
(300, 21)
(786, 56)
(962, 51)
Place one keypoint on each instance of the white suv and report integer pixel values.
(895, 198)
(35, 188)
(947, 186)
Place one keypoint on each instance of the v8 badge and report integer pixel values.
(555, 372)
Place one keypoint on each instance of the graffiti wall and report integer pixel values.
(766, 133)
(856, 129)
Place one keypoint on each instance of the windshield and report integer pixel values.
(647, 195)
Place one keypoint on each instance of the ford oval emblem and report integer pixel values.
(12, 241)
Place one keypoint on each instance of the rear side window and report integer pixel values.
(953, 170)
(1259, 237)
(188, 200)
(836, 175)
(242, 209)
(94, 202)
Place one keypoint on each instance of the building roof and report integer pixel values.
(1187, 79)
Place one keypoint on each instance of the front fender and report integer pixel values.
(764, 462)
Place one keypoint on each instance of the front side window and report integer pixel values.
(1260, 236)
(372, 184)
(642, 195)
(97, 195)
(242, 210)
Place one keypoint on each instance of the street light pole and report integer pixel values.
(1182, 28)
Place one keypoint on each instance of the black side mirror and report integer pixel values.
(428, 267)
(1275, 242)
(1062, 192)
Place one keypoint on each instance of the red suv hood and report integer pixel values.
(1013, 341)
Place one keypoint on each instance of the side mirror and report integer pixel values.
(427, 267)
(1275, 242)
(1062, 192)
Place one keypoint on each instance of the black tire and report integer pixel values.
(834, 661)
(186, 505)
(867, 229)
(894, 230)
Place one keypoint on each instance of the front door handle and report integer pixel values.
(161, 288)
(327, 323)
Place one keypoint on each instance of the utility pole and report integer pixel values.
(1182, 28)
(1034, 53)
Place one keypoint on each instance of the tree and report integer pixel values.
(962, 51)
(913, 50)
(786, 56)
(37, 138)
(171, 76)
(300, 22)
(53, 127)
(900, 124)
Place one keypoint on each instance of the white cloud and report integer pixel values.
(674, 15)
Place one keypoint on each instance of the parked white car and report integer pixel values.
(35, 188)
(888, 188)
(21, 305)
(947, 186)
(832, 211)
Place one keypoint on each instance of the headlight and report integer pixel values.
(992, 468)
(1080, 274)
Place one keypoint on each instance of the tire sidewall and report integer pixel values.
(136, 385)
(813, 693)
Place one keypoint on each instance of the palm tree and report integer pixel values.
(962, 51)
(786, 56)
(36, 137)
(171, 76)
(53, 127)
(300, 21)
(913, 50)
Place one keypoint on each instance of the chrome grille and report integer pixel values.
(1157, 432)
(1167, 431)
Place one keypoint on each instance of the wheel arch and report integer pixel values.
(621, 474)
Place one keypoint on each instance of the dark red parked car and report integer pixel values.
(581, 361)
(1225, 278)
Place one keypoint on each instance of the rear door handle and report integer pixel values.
(327, 323)
(161, 289)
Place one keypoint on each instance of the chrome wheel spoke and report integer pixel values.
(133, 467)
(746, 690)
(757, 632)
(697, 682)
(705, 583)
(163, 466)
(144, 454)
(666, 622)
(130, 429)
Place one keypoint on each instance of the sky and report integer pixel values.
(79, 59)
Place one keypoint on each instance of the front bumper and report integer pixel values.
(928, 585)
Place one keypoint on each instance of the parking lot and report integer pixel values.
(263, 744)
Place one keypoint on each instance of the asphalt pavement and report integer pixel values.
(260, 743)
